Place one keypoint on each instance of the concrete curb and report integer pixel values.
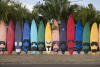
(44, 52)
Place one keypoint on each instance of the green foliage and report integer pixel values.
(10, 9)
(51, 9)
(55, 9)
(35, 15)
(61, 9)
(85, 14)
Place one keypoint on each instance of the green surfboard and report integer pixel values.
(41, 37)
(86, 38)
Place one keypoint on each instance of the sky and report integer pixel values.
(30, 3)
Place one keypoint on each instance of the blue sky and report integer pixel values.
(96, 3)
(30, 3)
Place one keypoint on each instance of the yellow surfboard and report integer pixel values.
(48, 38)
(94, 38)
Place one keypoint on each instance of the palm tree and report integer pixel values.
(10, 9)
(85, 14)
(53, 9)
(5, 10)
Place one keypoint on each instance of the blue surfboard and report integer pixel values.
(33, 37)
(78, 37)
(63, 37)
(26, 36)
(18, 38)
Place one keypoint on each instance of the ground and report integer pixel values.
(50, 59)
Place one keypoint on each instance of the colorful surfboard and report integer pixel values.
(63, 37)
(48, 38)
(78, 37)
(94, 38)
(86, 38)
(55, 36)
(3, 31)
(26, 36)
(33, 37)
(70, 34)
(10, 37)
(41, 37)
(18, 38)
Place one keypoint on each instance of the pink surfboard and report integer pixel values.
(99, 36)
(3, 31)
(55, 36)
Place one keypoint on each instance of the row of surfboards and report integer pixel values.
(55, 37)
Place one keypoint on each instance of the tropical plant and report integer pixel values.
(61, 9)
(10, 9)
(56, 9)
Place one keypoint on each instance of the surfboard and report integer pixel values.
(26, 36)
(10, 37)
(63, 37)
(55, 36)
(78, 37)
(70, 34)
(48, 38)
(94, 38)
(33, 37)
(18, 37)
(99, 36)
(86, 38)
(41, 37)
(3, 31)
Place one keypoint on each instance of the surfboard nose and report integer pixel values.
(48, 53)
(1, 52)
(18, 50)
(26, 51)
(94, 53)
(63, 52)
(40, 52)
(9, 52)
(78, 52)
(70, 52)
(34, 52)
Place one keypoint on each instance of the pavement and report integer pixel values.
(30, 59)
(51, 65)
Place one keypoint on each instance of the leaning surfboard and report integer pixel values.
(99, 36)
(48, 38)
(94, 38)
(3, 31)
(26, 36)
(63, 37)
(86, 38)
(18, 38)
(70, 34)
(33, 37)
(78, 37)
(55, 36)
(10, 37)
(41, 37)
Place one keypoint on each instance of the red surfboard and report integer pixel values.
(10, 37)
(70, 34)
